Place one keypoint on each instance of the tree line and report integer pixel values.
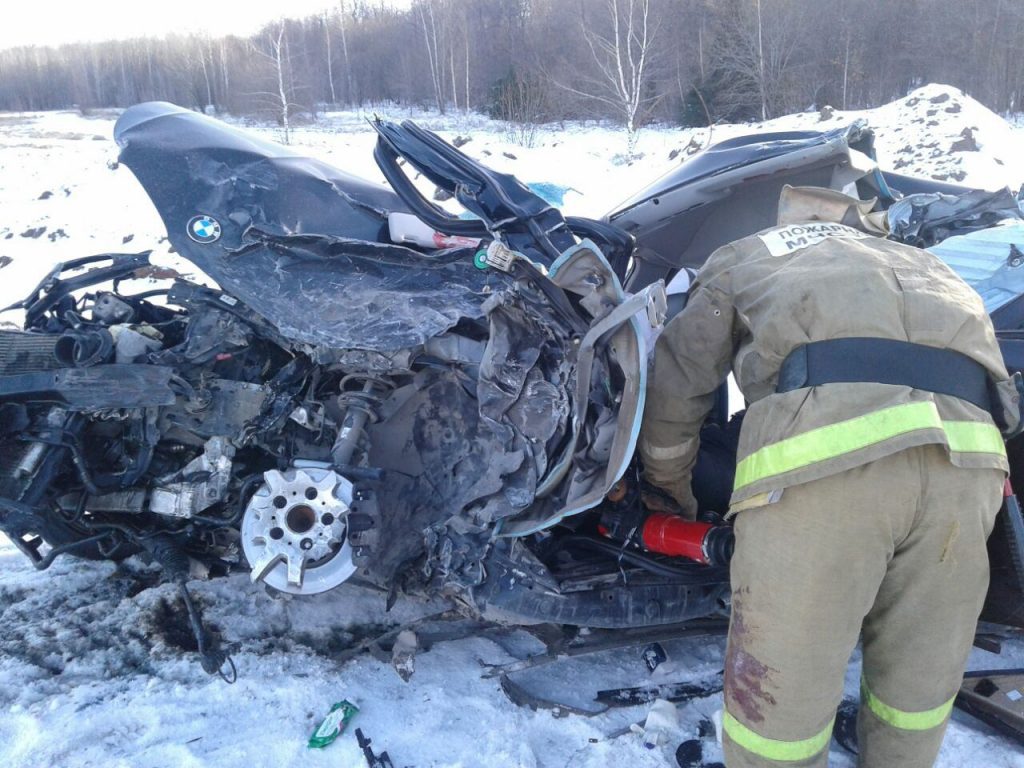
(691, 62)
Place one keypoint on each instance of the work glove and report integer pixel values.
(677, 500)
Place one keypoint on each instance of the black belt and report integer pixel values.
(887, 361)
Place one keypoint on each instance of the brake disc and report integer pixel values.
(294, 532)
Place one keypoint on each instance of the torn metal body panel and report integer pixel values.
(189, 162)
(732, 189)
(927, 218)
(298, 241)
(453, 414)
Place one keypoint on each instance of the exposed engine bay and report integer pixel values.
(194, 421)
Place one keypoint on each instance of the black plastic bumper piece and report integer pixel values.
(102, 386)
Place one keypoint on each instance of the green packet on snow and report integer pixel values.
(341, 715)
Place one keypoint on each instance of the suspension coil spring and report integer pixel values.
(361, 407)
(364, 393)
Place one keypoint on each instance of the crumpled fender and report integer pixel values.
(618, 320)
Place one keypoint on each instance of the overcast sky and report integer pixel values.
(52, 22)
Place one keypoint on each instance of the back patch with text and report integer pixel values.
(785, 240)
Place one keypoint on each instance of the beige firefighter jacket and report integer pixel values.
(757, 299)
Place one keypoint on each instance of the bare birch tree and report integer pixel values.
(624, 58)
(224, 67)
(343, 23)
(277, 55)
(755, 54)
(330, 60)
(428, 22)
(199, 53)
(278, 48)
(465, 37)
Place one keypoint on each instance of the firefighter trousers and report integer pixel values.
(894, 550)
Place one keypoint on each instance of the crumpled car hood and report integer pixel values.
(299, 241)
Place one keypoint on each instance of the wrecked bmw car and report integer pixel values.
(377, 389)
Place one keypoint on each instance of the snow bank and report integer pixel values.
(938, 132)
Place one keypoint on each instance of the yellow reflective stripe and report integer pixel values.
(676, 451)
(834, 440)
(844, 437)
(898, 718)
(973, 437)
(775, 749)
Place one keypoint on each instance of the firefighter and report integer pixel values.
(870, 468)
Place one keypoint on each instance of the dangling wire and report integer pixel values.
(214, 661)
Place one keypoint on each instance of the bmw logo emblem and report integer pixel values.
(203, 229)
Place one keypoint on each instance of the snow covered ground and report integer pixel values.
(94, 669)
